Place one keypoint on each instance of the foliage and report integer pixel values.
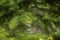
(30, 17)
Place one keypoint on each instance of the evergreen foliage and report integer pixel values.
(30, 17)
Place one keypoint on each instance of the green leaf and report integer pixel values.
(13, 23)
(27, 18)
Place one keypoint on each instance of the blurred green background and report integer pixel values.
(29, 19)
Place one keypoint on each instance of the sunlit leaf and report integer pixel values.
(13, 23)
